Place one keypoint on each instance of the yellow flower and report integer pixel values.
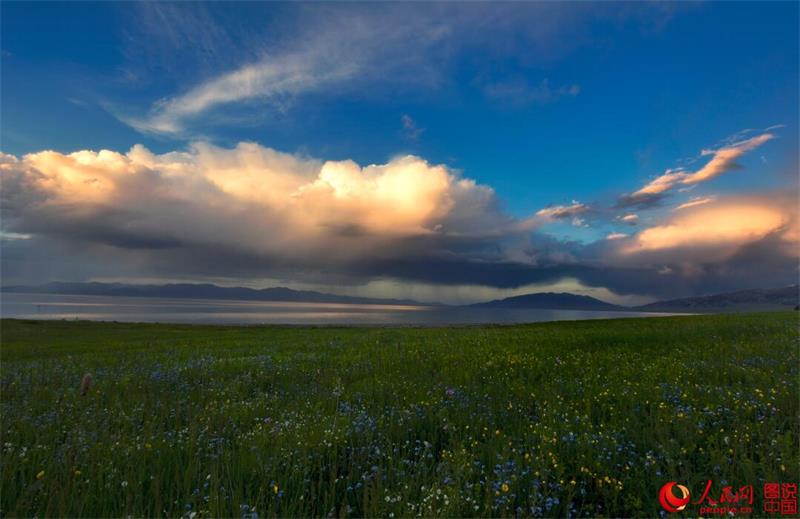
(148, 446)
(40, 475)
(275, 488)
(77, 472)
(504, 487)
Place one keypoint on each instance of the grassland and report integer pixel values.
(555, 419)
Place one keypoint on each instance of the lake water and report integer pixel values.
(162, 310)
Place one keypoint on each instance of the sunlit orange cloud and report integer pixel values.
(723, 160)
(563, 212)
(558, 212)
(699, 200)
(251, 197)
(661, 184)
(716, 229)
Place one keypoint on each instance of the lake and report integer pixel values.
(213, 311)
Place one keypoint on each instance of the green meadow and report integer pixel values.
(579, 419)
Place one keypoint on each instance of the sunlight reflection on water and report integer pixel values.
(140, 309)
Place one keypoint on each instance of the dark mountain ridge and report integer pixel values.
(200, 291)
(551, 301)
(783, 298)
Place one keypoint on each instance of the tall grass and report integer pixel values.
(555, 419)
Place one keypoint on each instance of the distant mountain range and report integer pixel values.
(551, 301)
(743, 300)
(200, 291)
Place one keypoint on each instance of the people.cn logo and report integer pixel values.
(670, 501)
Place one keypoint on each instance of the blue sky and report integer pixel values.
(547, 104)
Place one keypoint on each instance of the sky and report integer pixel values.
(450, 152)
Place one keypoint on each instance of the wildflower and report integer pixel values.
(77, 472)
(275, 488)
(40, 475)
(124, 484)
(504, 487)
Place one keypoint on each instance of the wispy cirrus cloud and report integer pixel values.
(268, 79)
(333, 50)
(342, 51)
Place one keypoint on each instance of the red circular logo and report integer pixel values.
(670, 501)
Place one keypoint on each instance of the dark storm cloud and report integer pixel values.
(251, 212)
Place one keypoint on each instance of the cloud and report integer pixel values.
(170, 38)
(713, 231)
(563, 212)
(630, 218)
(250, 212)
(332, 49)
(282, 208)
(411, 131)
(268, 79)
(261, 65)
(722, 160)
(698, 200)
(521, 92)
(730, 243)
